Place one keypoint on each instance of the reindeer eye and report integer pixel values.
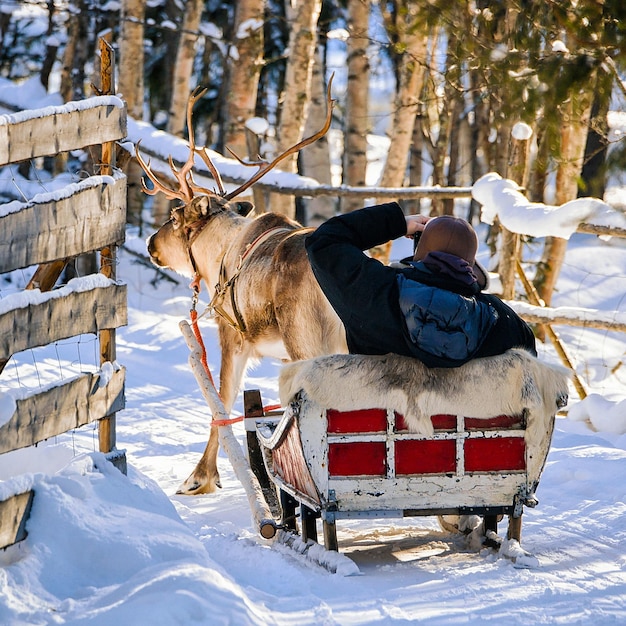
(177, 215)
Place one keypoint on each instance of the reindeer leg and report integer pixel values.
(205, 478)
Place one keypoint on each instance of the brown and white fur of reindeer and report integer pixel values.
(264, 295)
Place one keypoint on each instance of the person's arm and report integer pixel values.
(362, 229)
(352, 281)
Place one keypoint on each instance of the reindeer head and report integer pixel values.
(170, 246)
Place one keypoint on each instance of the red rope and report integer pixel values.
(193, 314)
(232, 420)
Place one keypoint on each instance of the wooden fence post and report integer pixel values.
(106, 425)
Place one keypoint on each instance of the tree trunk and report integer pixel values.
(75, 55)
(52, 46)
(574, 128)
(357, 95)
(413, 206)
(302, 15)
(131, 88)
(454, 158)
(478, 138)
(181, 87)
(406, 106)
(510, 243)
(315, 159)
(183, 68)
(594, 167)
(244, 68)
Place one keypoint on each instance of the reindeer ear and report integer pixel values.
(244, 208)
(197, 209)
(202, 205)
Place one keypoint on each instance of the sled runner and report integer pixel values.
(354, 442)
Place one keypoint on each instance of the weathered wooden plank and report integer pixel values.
(14, 513)
(61, 314)
(48, 131)
(62, 408)
(88, 216)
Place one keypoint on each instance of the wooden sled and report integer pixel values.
(332, 463)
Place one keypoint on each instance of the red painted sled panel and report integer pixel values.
(501, 422)
(440, 422)
(495, 454)
(425, 457)
(363, 458)
(363, 421)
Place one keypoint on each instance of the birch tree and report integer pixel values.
(574, 126)
(357, 95)
(411, 46)
(183, 68)
(131, 88)
(75, 54)
(302, 16)
(181, 87)
(315, 159)
(243, 70)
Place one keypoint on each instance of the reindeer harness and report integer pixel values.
(226, 286)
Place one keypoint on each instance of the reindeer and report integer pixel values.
(263, 293)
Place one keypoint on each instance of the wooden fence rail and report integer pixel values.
(86, 216)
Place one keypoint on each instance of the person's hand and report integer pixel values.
(415, 223)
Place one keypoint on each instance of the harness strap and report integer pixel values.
(193, 314)
(220, 290)
(224, 284)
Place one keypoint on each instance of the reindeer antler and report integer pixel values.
(204, 155)
(265, 167)
(159, 186)
(186, 185)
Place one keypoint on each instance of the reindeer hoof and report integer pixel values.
(195, 486)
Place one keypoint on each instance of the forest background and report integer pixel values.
(445, 81)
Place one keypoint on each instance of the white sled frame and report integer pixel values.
(318, 494)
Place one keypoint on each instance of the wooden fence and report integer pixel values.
(46, 231)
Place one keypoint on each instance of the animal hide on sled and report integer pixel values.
(509, 384)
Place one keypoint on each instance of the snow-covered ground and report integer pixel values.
(104, 548)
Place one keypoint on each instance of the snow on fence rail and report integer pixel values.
(47, 230)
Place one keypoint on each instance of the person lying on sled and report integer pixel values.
(433, 308)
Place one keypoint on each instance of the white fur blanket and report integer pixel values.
(501, 385)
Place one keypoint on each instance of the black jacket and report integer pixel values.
(411, 310)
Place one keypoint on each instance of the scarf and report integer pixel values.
(450, 265)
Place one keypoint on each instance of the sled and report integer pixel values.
(329, 460)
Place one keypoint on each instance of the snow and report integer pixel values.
(502, 197)
(105, 548)
(522, 131)
(30, 297)
(160, 143)
(69, 107)
(248, 27)
(65, 190)
(559, 46)
(24, 94)
(258, 125)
